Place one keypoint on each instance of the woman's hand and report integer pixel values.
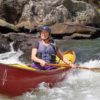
(72, 65)
(42, 63)
(69, 63)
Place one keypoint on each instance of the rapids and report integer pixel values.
(79, 84)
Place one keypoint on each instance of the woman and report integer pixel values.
(45, 51)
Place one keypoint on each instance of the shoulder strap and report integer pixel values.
(53, 46)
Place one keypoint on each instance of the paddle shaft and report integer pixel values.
(79, 67)
(58, 65)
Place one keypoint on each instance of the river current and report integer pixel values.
(79, 84)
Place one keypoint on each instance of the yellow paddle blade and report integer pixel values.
(70, 55)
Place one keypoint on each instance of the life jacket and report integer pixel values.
(47, 53)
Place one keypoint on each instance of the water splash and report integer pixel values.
(79, 84)
(91, 63)
(11, 57)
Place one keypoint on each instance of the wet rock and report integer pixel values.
(24, 42)
(4, 45)
(21, 40)
(26, 57)
(77, 36)
(26, 47)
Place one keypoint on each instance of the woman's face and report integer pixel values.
(44, 34)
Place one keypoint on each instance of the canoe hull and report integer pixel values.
(15, 81)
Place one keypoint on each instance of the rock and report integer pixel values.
(4, 45)
(11, 10)
(26, 47)
(6, 27)
(68, 29)
(26, 57)
(48, 12)
(95, 3)
(26, 14)
(81, 36)
(24, 42)
(21, 40)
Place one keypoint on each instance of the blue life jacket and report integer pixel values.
(47, 53)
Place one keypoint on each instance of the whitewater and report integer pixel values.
(79, 84)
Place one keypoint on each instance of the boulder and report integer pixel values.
(4, 45)
(68, 29)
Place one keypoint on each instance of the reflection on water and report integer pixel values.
(79, 85)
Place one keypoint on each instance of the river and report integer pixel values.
(79, 85)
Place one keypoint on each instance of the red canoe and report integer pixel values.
(17, 79)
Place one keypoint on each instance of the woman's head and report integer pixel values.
(45, 32)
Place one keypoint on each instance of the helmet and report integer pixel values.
(46, 28)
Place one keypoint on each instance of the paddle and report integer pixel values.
(79, 67)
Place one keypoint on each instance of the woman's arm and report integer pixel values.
(35, 58)
(60, 55)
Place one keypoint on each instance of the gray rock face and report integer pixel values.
(40, 12)
(11, 10)
(87, 15)
(95, 3)
(44, 12)
(29, 14)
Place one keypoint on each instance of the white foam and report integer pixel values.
(11, 57)
(91, 63)
(79, 84)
